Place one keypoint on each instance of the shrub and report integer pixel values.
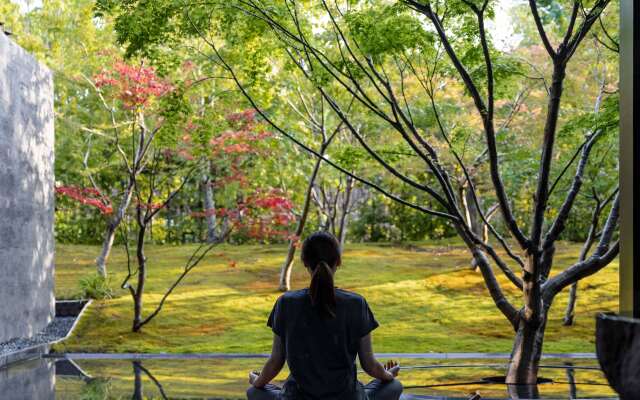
(95, 287)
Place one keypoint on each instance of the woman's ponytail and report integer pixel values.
(322, 291)
(321, 254)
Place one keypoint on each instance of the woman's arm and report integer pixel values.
(272, 367)
(372, 366)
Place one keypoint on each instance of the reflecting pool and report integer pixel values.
(224, 378)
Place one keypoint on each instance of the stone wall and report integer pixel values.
(27, 300)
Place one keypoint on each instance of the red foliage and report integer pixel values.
(134, 86)
(262, 216)
(268, 215)
(150, 206)
(246, 116)
(235, 175)
(238, 142)
(241, 139)
(229, 146)
(87, 196)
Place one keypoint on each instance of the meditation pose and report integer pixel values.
(319, 331)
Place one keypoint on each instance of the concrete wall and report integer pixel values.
(27, 301)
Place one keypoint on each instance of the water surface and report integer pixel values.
(90, 379)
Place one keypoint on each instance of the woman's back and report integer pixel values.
(319, 331)
(321, 350)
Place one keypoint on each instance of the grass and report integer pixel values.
(425, 297)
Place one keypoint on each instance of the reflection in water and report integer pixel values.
(100, 379)
(28, 380)
(138, 369)
(571, 380)
(523, 391)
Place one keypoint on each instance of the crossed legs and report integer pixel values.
(374, 390)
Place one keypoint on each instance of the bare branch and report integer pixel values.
(563, 213)
(615, 44)
(540, 27)
(85, 162)
(503, 267)
(485, 115)
(584, 28)
(572, 22)
(507, 309)
(307, 148)
(194, 260)
(602, 256)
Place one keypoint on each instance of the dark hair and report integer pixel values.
(320, 253)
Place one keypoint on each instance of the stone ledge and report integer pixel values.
(197, 356)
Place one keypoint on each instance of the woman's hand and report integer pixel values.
(392, 367)
(253, 376)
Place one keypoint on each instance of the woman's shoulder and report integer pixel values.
(293, 295)
(349, 296)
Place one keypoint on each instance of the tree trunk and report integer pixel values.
(287, 266)
(527, 350)
(569, 314)
(346, 203)
(342, 233)
(209, 208)
(107, 245)
(472, 216)
(112, 227)
(142, 277)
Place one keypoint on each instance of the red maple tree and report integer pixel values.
(87, 196)
(135, 86)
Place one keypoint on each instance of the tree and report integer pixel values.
(336, 200)
(312, 112)
(595, 121)
(263, 215)
(147, 208)
(127, 93)
(130, 93)
(233, 157)
(372, 52)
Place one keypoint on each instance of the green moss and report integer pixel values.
(425, 297)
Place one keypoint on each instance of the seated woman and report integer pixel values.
(319, 331)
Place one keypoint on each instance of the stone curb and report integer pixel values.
(39, 350)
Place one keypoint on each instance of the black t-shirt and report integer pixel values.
(321, 352)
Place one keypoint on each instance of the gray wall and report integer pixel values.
(27, 302)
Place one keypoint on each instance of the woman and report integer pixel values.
(319, 331)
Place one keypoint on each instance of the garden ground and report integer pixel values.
(425, 296)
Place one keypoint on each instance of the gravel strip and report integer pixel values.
(57, 329)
